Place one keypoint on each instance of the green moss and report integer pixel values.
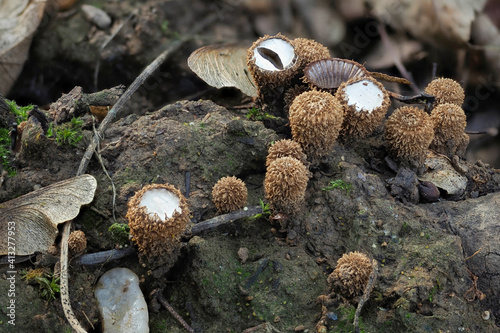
(67, 133)
(258, 114)
(338, 183)
(21, 112)
(119, 232)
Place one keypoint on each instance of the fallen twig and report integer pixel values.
(226, 218)
(103, 256)
(366, 294)
(159, 297)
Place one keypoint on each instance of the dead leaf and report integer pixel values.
(223, 66)
(406, 50)
(19, 20)
(439, 22)
(29, 223)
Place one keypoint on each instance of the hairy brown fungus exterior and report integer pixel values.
(365, 103)
(315, 120)
(409, 133)
(449, 122)
(273, 65)
(352, 273)
(284, 148)
(285, 185)
(158, 215)
(272, 61)
(229, 194)
(446, 90)
(77, 242)
(291, 94)
(309, 50)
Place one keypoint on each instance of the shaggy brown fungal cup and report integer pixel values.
(77, 242)
(229, 194)
(365, 102)
(449, 122)
(291, 94)
(284, 148)
(409, 132)
(158, 215)
(352, 273)
(285, 185)
(272, 61)
(309, 50)
(446, 91)
(315, 120)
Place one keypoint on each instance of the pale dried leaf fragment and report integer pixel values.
(223, 66)
(18, 22)
(439, 22)
(32, 219)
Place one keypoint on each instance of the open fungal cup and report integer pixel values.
(272, 61)
(332, 72)
(158, 215)
(365, 103)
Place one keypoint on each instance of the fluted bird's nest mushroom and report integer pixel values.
(352, 273)
(309, 50)
(315, 120)
(449, 122)
(77, 242)
(285, 185)
(409, 133)
(365, 102)
(272, 62)
(446, 90)
(330, 73)
(284, 148)
(229, 194)
(158, 215)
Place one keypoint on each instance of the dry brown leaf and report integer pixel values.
(486, 34)
(439, 22)
(19, 20)
(405, 50)
(31, 220)
(223, 66)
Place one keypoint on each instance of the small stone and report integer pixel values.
(300, 328)
(486, 315)
(121, 302)
(243, 254)
(96, 16)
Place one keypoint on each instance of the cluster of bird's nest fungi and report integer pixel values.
(325, 100)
